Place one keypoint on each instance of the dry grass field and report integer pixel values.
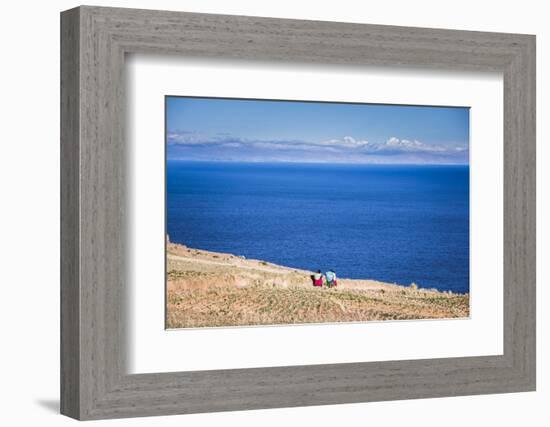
(208, 289)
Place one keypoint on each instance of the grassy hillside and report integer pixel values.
(214, 289)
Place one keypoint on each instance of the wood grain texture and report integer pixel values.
(94, 382)
(70, 291)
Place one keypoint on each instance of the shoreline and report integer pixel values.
(185, 253)
(206, 288)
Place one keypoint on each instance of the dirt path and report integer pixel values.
(246, 266)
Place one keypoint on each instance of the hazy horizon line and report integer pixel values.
(317, 162)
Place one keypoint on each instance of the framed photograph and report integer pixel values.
(275, 215)
(262, 213)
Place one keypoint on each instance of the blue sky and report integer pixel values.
(293, 131)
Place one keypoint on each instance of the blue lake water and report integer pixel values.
(398, 224)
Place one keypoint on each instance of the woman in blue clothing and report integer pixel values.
(331, 278)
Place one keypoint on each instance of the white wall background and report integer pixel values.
(29, 213)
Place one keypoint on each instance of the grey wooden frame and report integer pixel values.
(94, 382)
